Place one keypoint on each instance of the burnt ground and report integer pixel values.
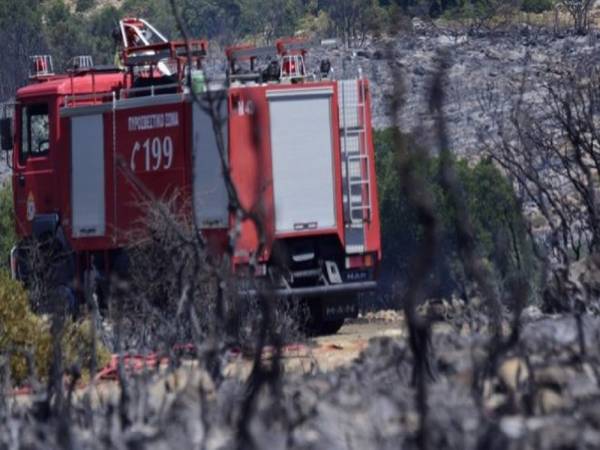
(351, 391)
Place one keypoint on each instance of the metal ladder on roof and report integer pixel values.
(356, 163)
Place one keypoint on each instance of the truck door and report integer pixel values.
(33, 176)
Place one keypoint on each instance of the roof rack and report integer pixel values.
(249, 52)
(93, 70)
(282, 47)
(41, 66)
(288, 66)
(81, 62)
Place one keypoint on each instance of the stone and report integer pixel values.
(513, 426)
(548, 401)
(531, 313)
(419, 70)
(513, 373)
(554, 376)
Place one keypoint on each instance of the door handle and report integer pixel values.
(22, 180)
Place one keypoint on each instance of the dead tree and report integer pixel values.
(260, 375)
(420, 198)
(550, 147)
(579, 10)
(474, 267)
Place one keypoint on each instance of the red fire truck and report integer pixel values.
(299, 144)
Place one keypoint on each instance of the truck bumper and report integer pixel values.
(317, 291)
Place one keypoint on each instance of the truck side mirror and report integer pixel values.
(6, 135)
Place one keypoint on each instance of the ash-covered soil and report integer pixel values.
(544, 394)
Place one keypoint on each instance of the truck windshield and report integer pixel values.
(35, 131)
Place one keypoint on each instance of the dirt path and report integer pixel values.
(342, 348)
(326, 353)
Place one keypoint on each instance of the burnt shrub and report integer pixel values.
(178, 288)
(499, 228)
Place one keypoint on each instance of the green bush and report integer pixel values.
(537, 6)
(7, 225)
(22, 332)
(499, 228)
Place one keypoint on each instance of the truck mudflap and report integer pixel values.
(318, 291)
(13, 263)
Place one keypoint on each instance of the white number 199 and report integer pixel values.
(158, 155)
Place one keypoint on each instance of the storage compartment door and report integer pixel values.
(211, 203)
(87, 176)
(301, 146)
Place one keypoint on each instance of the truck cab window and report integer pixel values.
(35, 131)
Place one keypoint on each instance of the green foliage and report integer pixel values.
(64, 32)
(23, 333)
(8, 236)
(537, 6)
(20, 25)
(269, 19)
(315, 24)
(352, 19)
(498, 225)
(478, 12)
(77, 343)
(84, 5)
(20, 330)
(214, 19)
(100, 26)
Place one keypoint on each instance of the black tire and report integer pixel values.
(331, 327)
(317, 324)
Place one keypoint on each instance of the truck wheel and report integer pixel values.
(318, 323)
(331, 327)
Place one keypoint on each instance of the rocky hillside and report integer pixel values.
(479, 68)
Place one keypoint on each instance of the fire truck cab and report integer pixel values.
(298, 145)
